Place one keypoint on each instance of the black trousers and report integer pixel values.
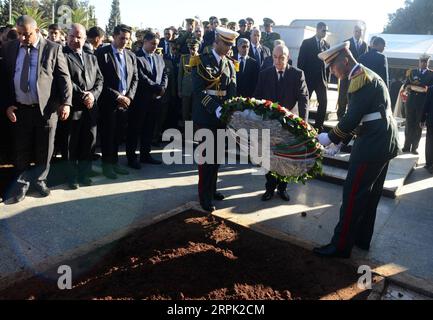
(343, 98)
(322, 98)
(273, 183)
(33, 140)
(361, 195)
(140, 131)
(81, 141)
(414, 113)
(113, 127)
(429, 145)
(208, 172)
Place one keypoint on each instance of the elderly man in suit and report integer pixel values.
(37, 91)
(87, 82)
(119, 69)
(248, 73)
(315, 71)
(375, 60)
(286, 85)
(152, 84)
(257, 51)
(358, 47)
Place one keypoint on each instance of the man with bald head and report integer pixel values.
(87, 83)
(37, 91)
(286, 85)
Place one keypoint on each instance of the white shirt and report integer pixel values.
(217, 56)
(31, 97)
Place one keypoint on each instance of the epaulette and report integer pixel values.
(194, 61)
(235, 63)
(360, 80)
(158, 51)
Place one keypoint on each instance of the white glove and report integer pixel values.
(218, 112)
(333, 150)
(324, 139)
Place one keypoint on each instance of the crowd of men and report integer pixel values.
(60, 94)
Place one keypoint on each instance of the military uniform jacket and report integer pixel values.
(269, 39)
(376, 141)
(415, 77)
(185, 77)
(208, 75)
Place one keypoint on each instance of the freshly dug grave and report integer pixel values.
(197, 256)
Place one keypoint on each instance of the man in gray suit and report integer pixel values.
(36, 93)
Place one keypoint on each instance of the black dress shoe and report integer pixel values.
(415, 152)
(219, 196)
(42, 189)
(284, 195)
(209, 207)
(134, 165)
(119, 170)
(330, 251)
(19, 197)
(150, 160)
(267, 196)
(85, 182)
(96, 157)
(73, 185)
(405, 150)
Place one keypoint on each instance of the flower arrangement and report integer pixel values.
(304, 148)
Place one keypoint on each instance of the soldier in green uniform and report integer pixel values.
(185, 79)
(417, 83)
(268, 36)
(376, 144)
(213, 81)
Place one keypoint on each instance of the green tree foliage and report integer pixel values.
(114, 17)
(17, 6)
(416, 17)
(36, 14)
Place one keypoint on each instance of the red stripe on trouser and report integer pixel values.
(349, 211)
(200, 181)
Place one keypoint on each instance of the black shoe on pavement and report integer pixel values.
(208, 207)
(284, 195)
(42, 189)
(219, 196)
(330, 251)
(85, 182)
(108, 172)
(267, 196)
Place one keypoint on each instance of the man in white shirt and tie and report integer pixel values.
(257, 51)
(248, 70)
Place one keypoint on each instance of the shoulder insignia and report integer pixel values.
(194, 61)
(236, 63)
(359, 81)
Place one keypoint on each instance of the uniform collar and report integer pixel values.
(355, 68)
(217, 56)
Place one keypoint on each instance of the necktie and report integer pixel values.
(280, 76)
(280, 86)
(258, 56)
(24, 82)
(122, 73)
(242, 66)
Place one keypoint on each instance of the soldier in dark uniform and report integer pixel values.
(214, 81)
(417, 82)
(268, 36)
(243, 33)
(427, 119)
(375, 146)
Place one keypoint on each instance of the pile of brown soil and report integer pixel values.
(198, 256)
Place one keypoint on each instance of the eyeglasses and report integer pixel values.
(245, 47)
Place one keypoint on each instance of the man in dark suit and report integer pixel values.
(257, 51)
(375, 60)
(165, 42)
(95, 39)
(315, 71)
(37, 88)
(87, 82)
(143, 115)
(246, 77)
(287, 86)
(358, 47)
(119, 69)
(427, 119)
